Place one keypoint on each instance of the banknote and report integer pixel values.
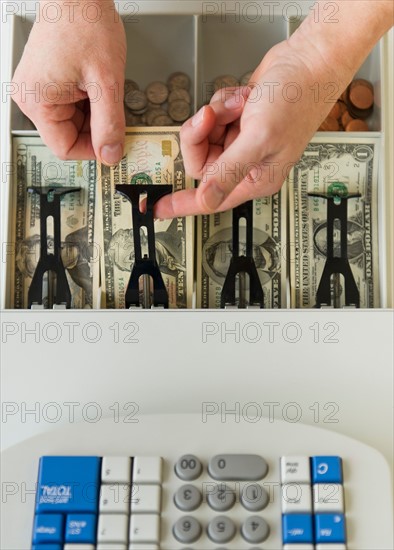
(214, 251)
(36, 166)
(152, 155)
(353, 162)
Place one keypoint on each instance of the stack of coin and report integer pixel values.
(351, 109)
(161, 104)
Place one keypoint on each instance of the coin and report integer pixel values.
(151, 114)
(179, 93)
(157, 92)
(357, 125)
(136, 101)
(225, 81)
(179, 110)
(361, 93)
(178, 80)
(346, 118)
(132, 119)
(163, 120)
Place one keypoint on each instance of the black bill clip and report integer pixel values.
(240, 266)
(59, 294)
(337, 196)
(146, 266)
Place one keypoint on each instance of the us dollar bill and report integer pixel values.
(354, 162)
(152, 155)
(214, 251)
(36, 166)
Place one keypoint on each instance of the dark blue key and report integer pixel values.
(81, 528)
(326, 469)
(297, 528)
(330, 528)
(48, 528)
(46, 547)
(68, 484)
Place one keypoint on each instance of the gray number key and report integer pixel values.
(188, 468)
(254, 497)
(237, 467)
(187, 498)
(187, 529)
(221, 529)
(221, 498)
(255, 529)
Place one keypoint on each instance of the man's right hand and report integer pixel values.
(75, 66)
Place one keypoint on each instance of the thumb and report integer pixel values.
(107, 120)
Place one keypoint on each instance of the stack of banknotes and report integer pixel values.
(289, 234)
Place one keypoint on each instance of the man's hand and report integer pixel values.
(244, 143)
(76, 69)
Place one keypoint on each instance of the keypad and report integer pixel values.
(115, 503)
(313, 503)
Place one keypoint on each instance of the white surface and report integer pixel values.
(369, 525)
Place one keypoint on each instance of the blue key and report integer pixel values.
(46, 547)
(326, 469)
(330, 528)
(48, 528)
(81, 528)
(68, 484)
(297, 528)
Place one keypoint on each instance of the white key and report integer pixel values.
(116, 469)
(143, 547)
(112, 528)
(147, 469)
(295, 469)
(79, 546)
(145, 499)
(145, 528)
(331, 546)
(114, 499)
(113, 546)
(328, 497)
(298, 547)
(296, 498)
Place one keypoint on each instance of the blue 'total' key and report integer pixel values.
(297, 528)
(68, 484)
(330, 528)
(48, 528)
(46, 547)
(81, 528)
(326, 469)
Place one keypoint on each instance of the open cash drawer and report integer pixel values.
(203, 40)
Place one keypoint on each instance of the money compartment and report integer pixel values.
(178, 36)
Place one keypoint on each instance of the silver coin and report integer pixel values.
(136, 101)
(157, 92)
(178, 80)
(132, 119)
(179, 110)
(162, 120)
(225, 81)
(179, 93)
(151, 114)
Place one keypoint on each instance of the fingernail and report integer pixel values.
(234, 102)
(213, 196)
(198, 117)
(111, 154)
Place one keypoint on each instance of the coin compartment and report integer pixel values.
(164, 37)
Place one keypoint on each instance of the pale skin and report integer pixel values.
(242, 145)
